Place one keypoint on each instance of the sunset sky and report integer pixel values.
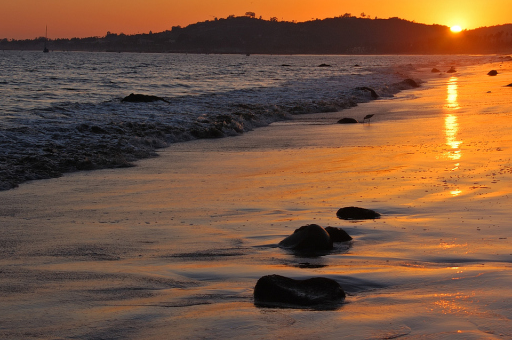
(26, 19)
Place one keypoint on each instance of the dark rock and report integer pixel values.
(142, 98)
(372, 91)
(338, 234)
(451, 70)
(309, 238)
(492, 73)
(97, 129)
(324, 65)
(435, 70)
(285, 65)
(347, 121)
(356, 213)
(406, 84)
(410, 82)
(280, 291)
(83, 127)
(509, 85)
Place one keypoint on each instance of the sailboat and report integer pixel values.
(45, 49)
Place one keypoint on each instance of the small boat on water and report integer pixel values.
(45, 49)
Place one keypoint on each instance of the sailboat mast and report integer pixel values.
(45, 49)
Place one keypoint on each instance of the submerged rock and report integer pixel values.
(142, 98)
(372, 91)
(308, 238)
(324, 65)
(410, 82)
(338, 234)
(492, 73)
(347, 121)
(356, 213)
(281, 291)
(435, 70)
(451, 70)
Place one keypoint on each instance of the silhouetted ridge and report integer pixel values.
(341, 35)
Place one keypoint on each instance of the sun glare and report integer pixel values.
(455, 29)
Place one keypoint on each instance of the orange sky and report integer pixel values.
(22, 19)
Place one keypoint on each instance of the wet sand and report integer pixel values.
(172, 248)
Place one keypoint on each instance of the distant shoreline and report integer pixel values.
(345, 35)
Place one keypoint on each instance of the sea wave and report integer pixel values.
(80, 125)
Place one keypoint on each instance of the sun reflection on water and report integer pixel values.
(456, 192)
(451, 130)
(451, 99)
(451, 121)
(451, 127)
(453, 303)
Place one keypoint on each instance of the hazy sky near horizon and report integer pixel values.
(26, 19)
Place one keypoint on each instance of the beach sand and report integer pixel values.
(173, 247)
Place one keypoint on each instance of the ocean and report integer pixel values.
(62, 111)
(173, 247)
(34, 84)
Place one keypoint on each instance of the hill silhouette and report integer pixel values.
(248, 35)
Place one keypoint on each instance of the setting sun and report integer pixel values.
(455, 29)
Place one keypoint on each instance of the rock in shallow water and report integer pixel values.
(142, 98)
(308, 238)
(280, 291)
(373, 94)
(338, 234)
(410, 82)
(356, 213)
(347, 120)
